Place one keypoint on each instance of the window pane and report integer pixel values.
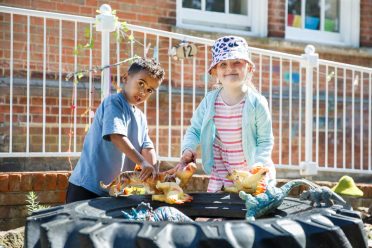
(238, 7)
(312, 14)
(332, 15)
(215, 5)
(294, 13)
(192, 4)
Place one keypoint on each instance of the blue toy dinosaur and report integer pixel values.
(144, 212)
(273, 197)
(321, 194)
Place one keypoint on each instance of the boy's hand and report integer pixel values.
(147, 170)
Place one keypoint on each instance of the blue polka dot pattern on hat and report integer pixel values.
(230, 47)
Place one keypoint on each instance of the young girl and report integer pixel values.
(233, 122)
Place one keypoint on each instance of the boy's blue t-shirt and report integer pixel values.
(100, 160)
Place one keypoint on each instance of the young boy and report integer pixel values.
(118, 138)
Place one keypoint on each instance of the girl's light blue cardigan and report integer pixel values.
(258, 138)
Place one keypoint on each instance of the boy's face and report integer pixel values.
(139, 86)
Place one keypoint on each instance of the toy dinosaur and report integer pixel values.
(273, 197)
(321, 194)
(172, 193)
(144, 212)
(252, 181)
(129, 182)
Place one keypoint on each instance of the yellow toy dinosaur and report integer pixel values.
(127, 183)
(172, 193)
(252, 181)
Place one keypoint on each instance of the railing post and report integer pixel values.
(309, 61)
(105, 23)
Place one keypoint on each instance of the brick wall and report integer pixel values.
(293, 128)
(276, 18)
(366, 23)
(140, 13)
(51, 190)
(136, 12)
(163, 17)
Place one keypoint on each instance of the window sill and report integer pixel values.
(214, 30)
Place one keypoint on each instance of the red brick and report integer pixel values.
(67, 8)
(26, 182)
(4, 182)
(61, 197)
(4, 212)
(18, 212)
(147, 18)
(14, 198)
(62, 181)
(14, 182)
(38, 181)
(47, 197)
(367, 190)
(50, 181)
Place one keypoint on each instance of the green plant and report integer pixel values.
(33, 204)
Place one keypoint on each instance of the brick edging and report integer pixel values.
(33, 181)
(58, 180)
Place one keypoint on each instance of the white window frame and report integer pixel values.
(349, 28)
(217, 22)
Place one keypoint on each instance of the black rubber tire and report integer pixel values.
(100, 223)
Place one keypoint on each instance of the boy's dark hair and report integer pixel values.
(150, 65)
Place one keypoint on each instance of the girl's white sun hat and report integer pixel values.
(229, 47)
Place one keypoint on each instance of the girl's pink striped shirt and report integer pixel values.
(227, 147)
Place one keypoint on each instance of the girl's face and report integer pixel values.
(233, 72)
(139, 86)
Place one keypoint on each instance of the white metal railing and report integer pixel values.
(316, 104)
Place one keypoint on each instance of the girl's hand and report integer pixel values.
(147, 170)
(187, 157)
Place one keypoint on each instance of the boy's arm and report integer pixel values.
(123, 144)
(150, 155)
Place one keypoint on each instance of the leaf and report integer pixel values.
(131, 38)
(80, 75)
(87, 32)
(124, 26)
(113, 12)
(117, 36)
(90, 44)
(33, 205)
(76, 51)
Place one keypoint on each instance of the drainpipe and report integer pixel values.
(308, 167)
(105, 23)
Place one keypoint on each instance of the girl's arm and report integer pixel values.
(191, 139)
(265, 137)
(124, 145)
